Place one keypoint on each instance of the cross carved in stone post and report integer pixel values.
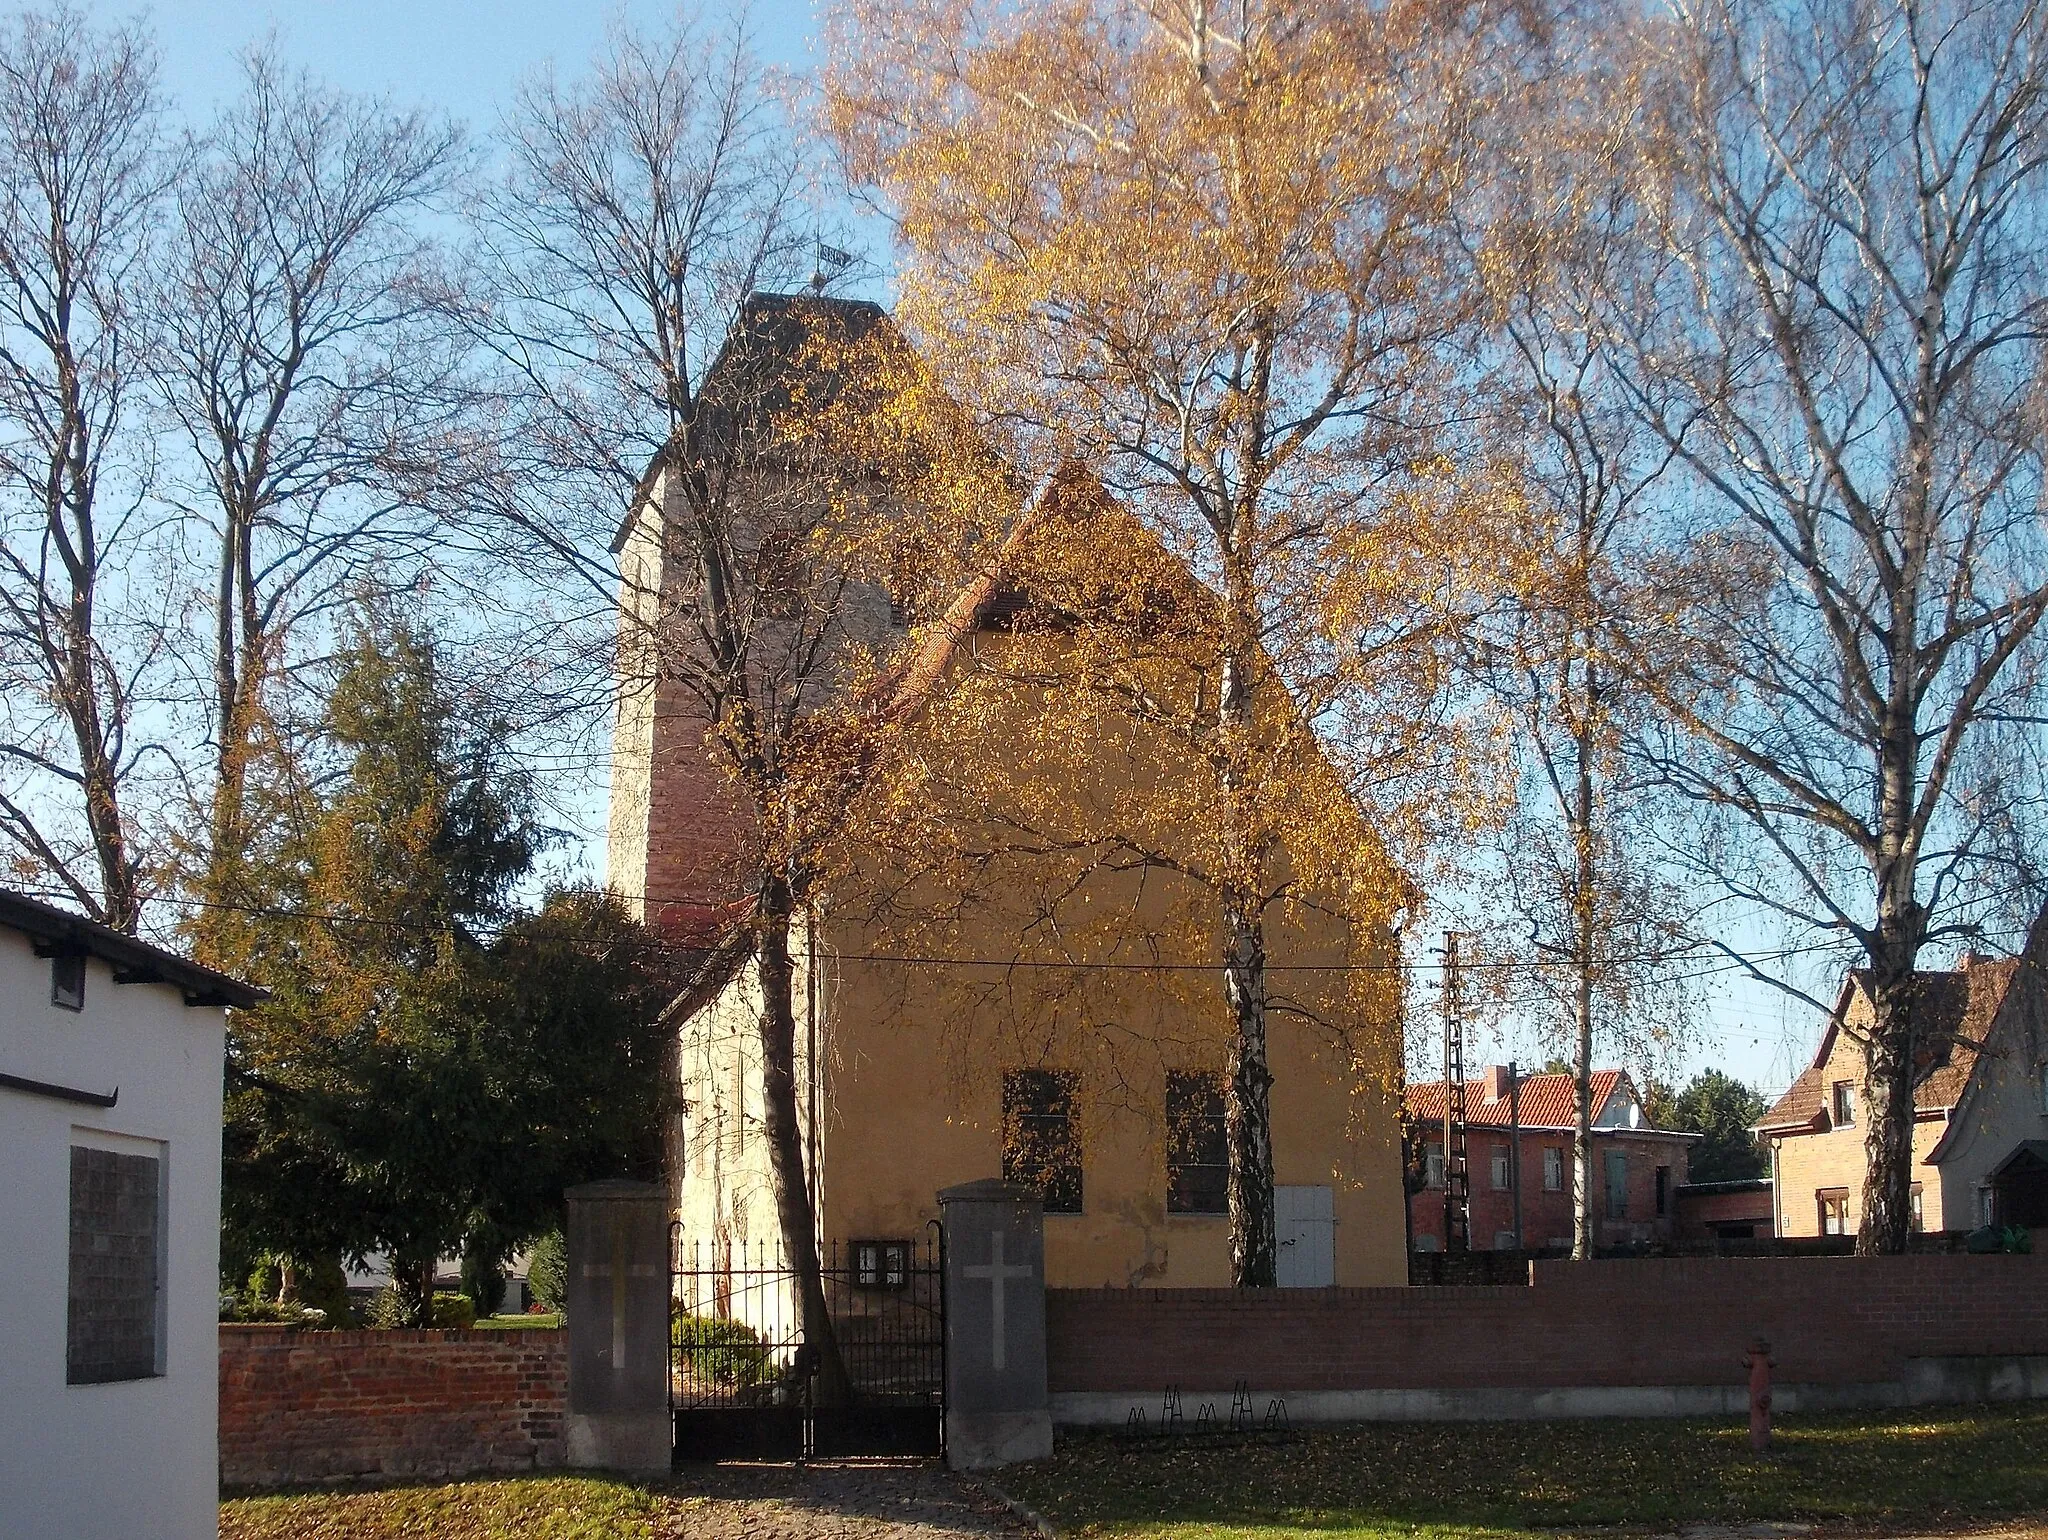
(618, 1271)
(997, 1275)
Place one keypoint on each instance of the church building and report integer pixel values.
(979, 1052)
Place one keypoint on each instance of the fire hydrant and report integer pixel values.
(1759, 1361)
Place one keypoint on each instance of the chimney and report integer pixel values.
(1496, 1083)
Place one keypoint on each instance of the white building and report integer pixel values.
(110, 1109)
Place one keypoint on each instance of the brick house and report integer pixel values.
(1980, 1104)
(1637, 1170)
(1738, 1210)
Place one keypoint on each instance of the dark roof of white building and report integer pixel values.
(58, 931)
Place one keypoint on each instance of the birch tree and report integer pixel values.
(1845, 352)
(1596, 924)
(83, 169)
(1207, 253)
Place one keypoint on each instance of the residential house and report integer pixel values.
(1102, 1086)
(1980, 1104)
(1637, 1169)
(110, 1124)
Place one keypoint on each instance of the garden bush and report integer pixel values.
(547, 1272)
(729, 1352)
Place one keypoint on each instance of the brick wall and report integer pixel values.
(316, 1406)
(1679, 1321)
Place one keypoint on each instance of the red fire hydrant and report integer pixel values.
(1759, 1361)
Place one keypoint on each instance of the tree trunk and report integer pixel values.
(1248, 1108)
(412, 1279)
(1584, 878)
(784, 1132)
(1889, 1053)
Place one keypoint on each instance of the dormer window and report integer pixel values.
(1843, 1105)
(67, 981)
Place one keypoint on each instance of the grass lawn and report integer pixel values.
(522, 1508)
(518, 1322)
(1925, 1468)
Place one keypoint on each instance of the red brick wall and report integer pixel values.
(314, 1406)
(1677, 1321)
(1700, 1212)
(696, 825)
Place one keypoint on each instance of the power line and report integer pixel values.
(1736, 963)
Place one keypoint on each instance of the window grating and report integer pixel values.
(111, 1331)
(1042, 1135)
(1197, 1144)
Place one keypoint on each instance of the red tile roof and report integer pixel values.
(1548, 1101)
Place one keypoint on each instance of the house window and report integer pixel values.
(1845, 1104)
(1617, 1185)
(2041, 1077)
(1663, 1189)
(1433, 1165)
(1987, 1207)
(1914, 1219)
(1197, 1145)
(881, 1264)
(1500, 1168)
(67, 981)
(1042, 1135)
(1834, 1210)
(113, 1327)
(1553, 1168)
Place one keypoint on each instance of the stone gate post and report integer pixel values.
(997, 1408)
(618, 1308)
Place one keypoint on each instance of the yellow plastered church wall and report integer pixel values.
(916, 1054)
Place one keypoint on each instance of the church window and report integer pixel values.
(881, 1264)
(1042, 1135)
(1197, 1145)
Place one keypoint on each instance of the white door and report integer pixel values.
(1305, 1225)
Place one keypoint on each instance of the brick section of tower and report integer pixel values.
(698, 830)
(679, 831)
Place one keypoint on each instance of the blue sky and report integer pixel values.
(463, 57)
(466, 58)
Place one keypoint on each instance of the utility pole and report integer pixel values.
(1515, 1147)
(1457, 1175)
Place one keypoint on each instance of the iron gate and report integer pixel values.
(743, 1380)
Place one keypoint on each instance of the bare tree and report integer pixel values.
(1843, 347)
(82, 173)
(1597, 925)
(308, 357)
(649, 392)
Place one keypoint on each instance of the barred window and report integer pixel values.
(1042, 1135)
(1197, 1145)
(881, 1264)
(112, 1330)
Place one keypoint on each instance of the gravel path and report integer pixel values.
(853, 1500)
